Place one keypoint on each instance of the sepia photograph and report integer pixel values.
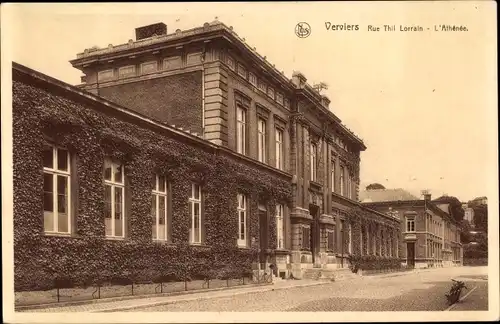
(250, 162)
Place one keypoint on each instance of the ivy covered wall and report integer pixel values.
(45, 112)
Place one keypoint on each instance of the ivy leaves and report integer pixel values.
(88, 257)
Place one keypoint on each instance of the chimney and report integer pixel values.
(427, 197)
(298, 79)
(157, 29)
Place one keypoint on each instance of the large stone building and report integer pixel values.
(430, 233)
(284, 177)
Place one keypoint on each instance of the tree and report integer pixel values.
(480, 215)
(455, 206)
(375, 186)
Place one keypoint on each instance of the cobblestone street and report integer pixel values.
(416, 291)
(421, 291)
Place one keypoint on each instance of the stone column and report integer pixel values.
(299, 150)
(306, 167)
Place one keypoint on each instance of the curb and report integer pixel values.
(168, 302)
(123, 298)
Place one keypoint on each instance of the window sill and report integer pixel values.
(56, 234)
(114, 238)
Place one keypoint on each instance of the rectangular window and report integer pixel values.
(242, 220)
(349, 192)
(172, 63)
(279, 98)
(241, 130)
(279, 149)
(333, 176)
(230, 63)
(262, 86)
(270, 92)
(287, 103)
(410, 225)
(280, 227)
(159, 208)
(149, 67)
(330, 240)
(252, 78)
(342, 191)
(114, 203)
(126, 71)
(56, 190)
(306, 239)
(105, 75)
(242, 71)
(195, 212)
(313, 162)
(261, 140)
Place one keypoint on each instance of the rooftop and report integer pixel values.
(381, 195)
(94, 53)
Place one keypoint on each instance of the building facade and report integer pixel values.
(430, 234)
(194, 141)
(237, 99)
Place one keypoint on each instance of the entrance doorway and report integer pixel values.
(410, 254)
(263, 235)
(315, 235)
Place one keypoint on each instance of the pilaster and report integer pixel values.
(215, 105)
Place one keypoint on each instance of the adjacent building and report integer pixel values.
(182, 154)
(430, 233)
(468, 214)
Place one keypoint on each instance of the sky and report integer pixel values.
(425, 103)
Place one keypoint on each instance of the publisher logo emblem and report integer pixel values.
(302, 30)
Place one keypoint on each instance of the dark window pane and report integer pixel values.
(62, 160)
(107, 201)
(48, 195)
(161, 211)
(153, 206)
(62, 185)
(196, 209)
(107, 170)
(48, 202)
(161, 184)
(118, 202)
(61, 204)
(196, 192)
(118, 173)
(48, 182)
(48, 156)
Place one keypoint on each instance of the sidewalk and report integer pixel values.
(119, 305)
(474, 300)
